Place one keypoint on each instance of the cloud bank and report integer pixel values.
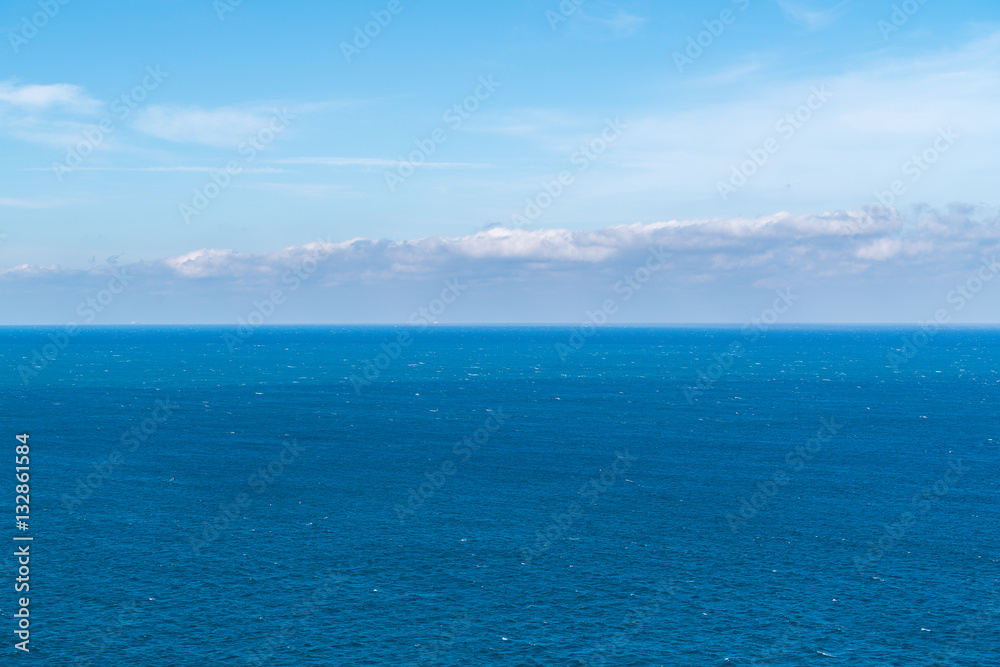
(713, 269)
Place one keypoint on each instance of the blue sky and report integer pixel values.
(316, 138)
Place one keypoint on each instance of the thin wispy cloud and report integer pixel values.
(804, 14)
(49, 114)
(38, 97)
(312, 190)
(223, 127)
(37, 129)
(369, 162)
(12, 202)
(201, 169)
(731, 75)
(613, 21)
(877, 118)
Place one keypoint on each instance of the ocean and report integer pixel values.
(512, 496)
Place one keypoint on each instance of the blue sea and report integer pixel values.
(512, 496)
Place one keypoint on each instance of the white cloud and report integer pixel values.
(368, 162)
(44, 113)
(619, 22)
(881, 250)
(714, 270)
(538, 124)
(809, 17)
(725, 251)
(206, 262)
(223, 127)
(859, 141)
(734, 74)
(35, 97)
(311, 190)
(26, 203)
(246, 170)
(28, 271)
(719, 250)
(604, 20)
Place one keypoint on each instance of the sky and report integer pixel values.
(191, 161)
